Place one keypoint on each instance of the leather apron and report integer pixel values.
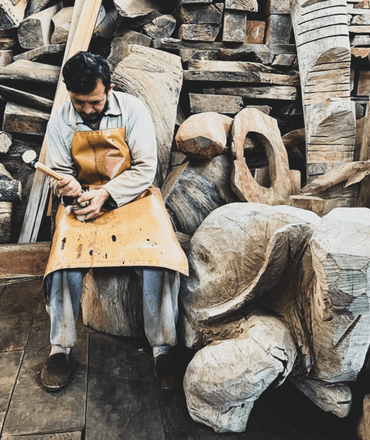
(139, 233)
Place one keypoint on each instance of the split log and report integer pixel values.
(311, 203)
(360, 52)
(363, 86)
(242, 5)
(335, 398)
(255, 52)
(6, 57)
(204, 136)
(35, 6)
(321, 34)
(11, 14)
(279, 29)
(194, 189)
(288, 61)
(199, 14)
(225, 104)
(40, 52)
(235, 27)
(6, 43)
(363, 428)
(198, 32)
(30, 72)
(106, 28)
(155, 77)
(288, 93)
(119, 46)
(5, 221)
(243, 184)
(255, 32)
(5, 141)
(278, 6)
(197, 54)
(134, 8)
(23, 260)
(62, 23)
(10, 190)
(220, 381)
(35, 30)
(237, 71)
(22, 119)
(25, 98)
(161, 27)
(112, 302)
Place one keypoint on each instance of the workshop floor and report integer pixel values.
(113, 395)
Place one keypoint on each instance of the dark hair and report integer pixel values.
(82, 72)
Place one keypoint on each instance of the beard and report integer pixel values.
(95, 117)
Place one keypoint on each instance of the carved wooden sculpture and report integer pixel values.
(321, 34)
(297, 277)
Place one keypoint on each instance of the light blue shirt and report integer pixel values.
(125, 111)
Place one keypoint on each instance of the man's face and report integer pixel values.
(91, 106)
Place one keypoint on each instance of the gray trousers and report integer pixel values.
(63, 290)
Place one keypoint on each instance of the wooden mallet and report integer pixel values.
(30, 158)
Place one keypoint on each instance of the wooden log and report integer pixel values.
(134, 8)
(161, 27)
(119, 46)
(273, 92)
(195, 54)
(278, 6)
(363, 85)
(237, 71)
(5, 221)
(321, 33)
(35, 30)
(255, 52)
(10, 190)
(189, 2)
(106, 28)
(62, 23)
(235, 27)
(153, 82)
(225, 104)
(311, 203)
(6, 57)
(204, 136)
(255, 32)
(6, 43)
(30, 72)
(22, 119)
(23, 260)
(243, 183)
(221, 389)
(360, 40)
(360, 52)
(198, 32)
(199, 14)
(11, 14)
(194, 189)
(5, 141)
(279, 29)
(112, 302)
(40, 52)
(287, 61)
(334, 398)
(25, 98)
(35, 6)
(363, 427)
(242, 5)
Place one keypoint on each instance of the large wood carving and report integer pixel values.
(252, 264)
(156, 78)
(321, 33)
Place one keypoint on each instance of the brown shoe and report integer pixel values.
(56, 372)
(166, 372)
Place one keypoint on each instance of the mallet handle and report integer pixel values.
(48, 171)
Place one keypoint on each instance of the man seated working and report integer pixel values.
(104, 145)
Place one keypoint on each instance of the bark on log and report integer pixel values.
(194, 189)
(11, 14)
(243, 183)
(35, 30)
(22, 119)
(155, 77)
(204, 136)
(220, 382)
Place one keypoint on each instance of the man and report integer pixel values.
(104, 145)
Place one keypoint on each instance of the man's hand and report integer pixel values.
(96, 197)
(69, 186)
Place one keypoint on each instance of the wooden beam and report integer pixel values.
(82, 27)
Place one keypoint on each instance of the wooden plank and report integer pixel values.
(30, 72)
(273, 92)
(26, 120)
(58, 412)
(78, 39)
(23, 260)
(225, 104)
(18, 305)
(25, 98)
(40, 52)
(198, 32)
(9, 366)
(199, 14)
(359, 29)
(122, 399)
(358, 11)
